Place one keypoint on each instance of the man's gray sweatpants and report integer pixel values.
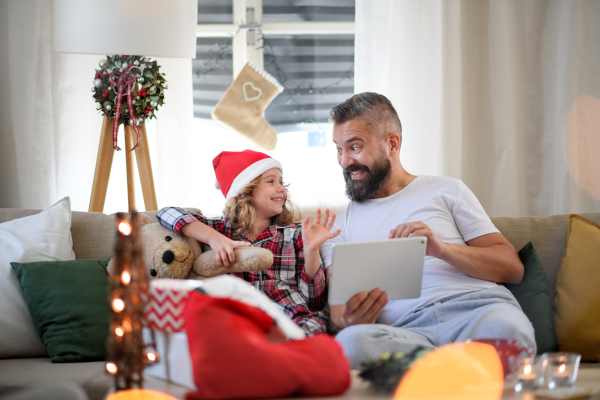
(483, 314)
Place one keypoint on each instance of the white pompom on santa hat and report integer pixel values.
(234, 170)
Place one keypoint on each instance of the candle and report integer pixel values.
(560, 378)
(526, 380)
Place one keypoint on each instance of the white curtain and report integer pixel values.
(49, 126)
(503, 94)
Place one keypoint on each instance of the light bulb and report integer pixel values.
(111, 368)
(125, 228)
(126, 277)
(118, 305)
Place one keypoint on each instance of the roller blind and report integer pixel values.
(315, 70)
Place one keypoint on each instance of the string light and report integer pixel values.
(118, 305)
(151, 356)
(125, 228)
(125, 277)
(128, 347)
(111, 368)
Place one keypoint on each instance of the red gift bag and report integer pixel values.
(234, 357)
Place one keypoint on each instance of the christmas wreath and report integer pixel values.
(115, 82)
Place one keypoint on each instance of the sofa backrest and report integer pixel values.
(93, 234)
(548, 235)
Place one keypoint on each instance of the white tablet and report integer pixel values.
(392, 265)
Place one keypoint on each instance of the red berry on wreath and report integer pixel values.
(104, 95)
(147, 112)
(124, 57)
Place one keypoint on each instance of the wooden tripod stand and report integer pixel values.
(104, 164)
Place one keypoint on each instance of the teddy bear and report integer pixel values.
(169, 254)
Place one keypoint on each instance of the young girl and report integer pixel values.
(258, 212)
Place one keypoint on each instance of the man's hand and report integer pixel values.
(362, 308)
(435, 246)
(489, 257)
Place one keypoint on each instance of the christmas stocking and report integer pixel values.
(242, 108)
(235, 355)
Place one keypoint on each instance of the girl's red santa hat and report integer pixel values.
(236, 169)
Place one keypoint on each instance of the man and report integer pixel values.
(466, 255)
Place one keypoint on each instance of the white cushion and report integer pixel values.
(41, 237)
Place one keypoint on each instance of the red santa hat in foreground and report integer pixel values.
(236, 169)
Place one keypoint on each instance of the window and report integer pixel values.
(308, 46)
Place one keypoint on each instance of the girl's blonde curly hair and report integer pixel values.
(241, 213)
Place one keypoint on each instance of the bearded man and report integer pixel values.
(466, 255)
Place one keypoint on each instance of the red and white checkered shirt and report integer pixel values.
(286, 282)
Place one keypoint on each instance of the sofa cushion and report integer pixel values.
(548, 235)
(41, 237)
(534, 299)
(68, 301)
(577, 296)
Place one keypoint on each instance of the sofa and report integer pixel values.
(93, 238)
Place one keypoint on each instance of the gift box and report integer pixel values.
(164, 313)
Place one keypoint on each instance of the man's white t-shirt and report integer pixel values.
(447, 206)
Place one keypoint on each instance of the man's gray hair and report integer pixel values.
(373, 108)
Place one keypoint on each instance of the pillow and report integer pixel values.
(68, 302)
(41, 237)
(534, 299)
(576, 299)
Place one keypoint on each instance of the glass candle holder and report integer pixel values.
(528, 374)
(560, 369)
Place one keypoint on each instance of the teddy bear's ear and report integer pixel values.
(143, 219)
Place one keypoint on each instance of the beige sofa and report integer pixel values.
(93, 235)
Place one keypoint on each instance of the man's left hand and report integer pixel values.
(435, 246)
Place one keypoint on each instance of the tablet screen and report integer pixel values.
(392, 265)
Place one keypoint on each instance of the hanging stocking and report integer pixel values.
(242, 108)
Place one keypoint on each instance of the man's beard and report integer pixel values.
(361, 190)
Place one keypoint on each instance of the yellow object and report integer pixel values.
(576, 299)
(455, 371)
(139, 394)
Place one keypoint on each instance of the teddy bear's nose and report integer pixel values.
(168, 257)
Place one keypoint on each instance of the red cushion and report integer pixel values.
(232, 357)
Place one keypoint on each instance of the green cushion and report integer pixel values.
(534, 300)
(68, 302)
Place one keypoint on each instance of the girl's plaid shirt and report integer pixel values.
(286, 282)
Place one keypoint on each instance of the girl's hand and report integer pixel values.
(223, 248)
(315, 235)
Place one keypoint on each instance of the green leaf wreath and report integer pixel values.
(146, 101)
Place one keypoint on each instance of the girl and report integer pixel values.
(258, 212)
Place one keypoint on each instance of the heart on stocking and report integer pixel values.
(256, 89)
